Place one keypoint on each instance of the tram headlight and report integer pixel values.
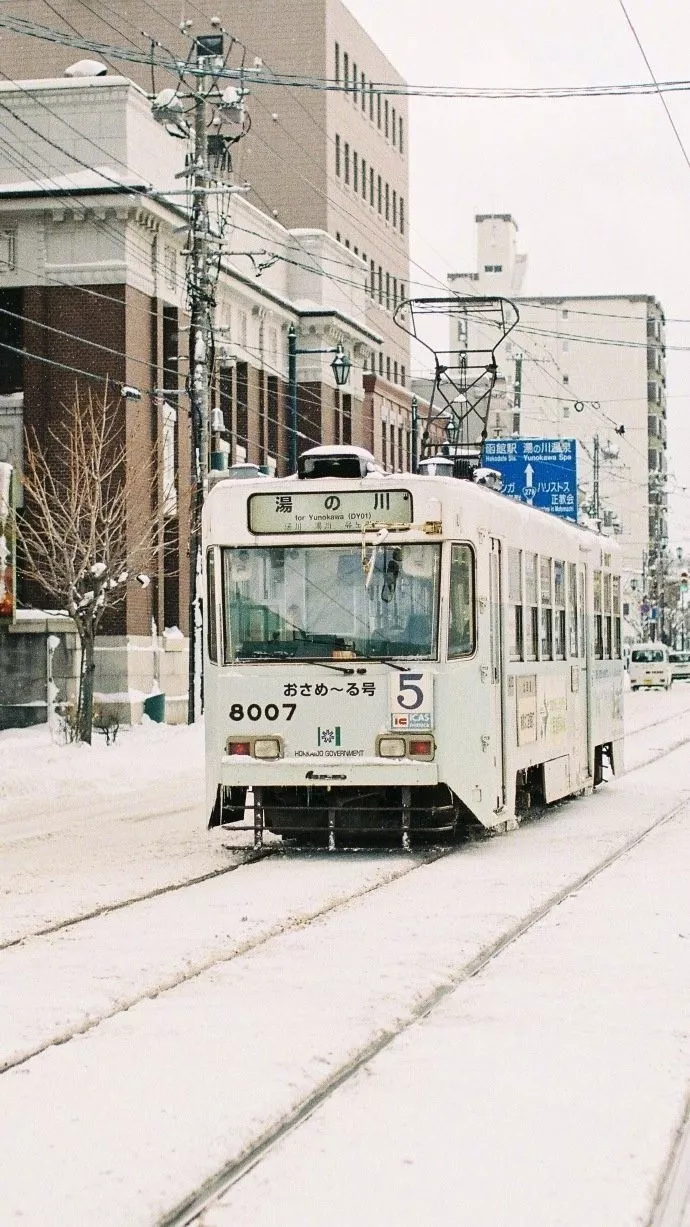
(266, 747)
(392, 747)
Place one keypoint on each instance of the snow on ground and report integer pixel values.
(544, 1092)
(565, 1061)
(82, 827)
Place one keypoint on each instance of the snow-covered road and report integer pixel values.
(543, 1092)
(554, 971)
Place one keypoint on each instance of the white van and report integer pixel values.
(649, 666)
(680, 666)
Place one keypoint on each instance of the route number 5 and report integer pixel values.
(410, 695)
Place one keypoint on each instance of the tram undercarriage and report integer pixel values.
(344, 817)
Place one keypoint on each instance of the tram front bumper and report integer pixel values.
(244, 771)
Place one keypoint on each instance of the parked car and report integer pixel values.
(649, 666)
(680, 666)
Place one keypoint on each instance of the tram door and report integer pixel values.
(580, 683)
(496, 668)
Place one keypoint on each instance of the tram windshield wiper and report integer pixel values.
(386, 660)
(327, 664)
(288, 653)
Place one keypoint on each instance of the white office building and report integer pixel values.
(590, 368)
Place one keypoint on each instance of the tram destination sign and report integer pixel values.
(341, 511)
(541, 472)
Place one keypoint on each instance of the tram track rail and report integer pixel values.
(200, 966)
(658, 753)
(652, 724)
(250, 855)
(672, 1202)
(191, 1210)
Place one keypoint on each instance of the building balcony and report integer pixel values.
(656, 430)
(656, 360)
(656, 328)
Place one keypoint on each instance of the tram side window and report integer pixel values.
(546, 608)
(598, 616)
(559, 602)
(572, 608)
(617, 628)
(461, 627)
(515, 627)
(531, 608)
(581, 607)
(608, 616)
(212, 632)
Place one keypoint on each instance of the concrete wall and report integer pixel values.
(129, 669)
(24, 665)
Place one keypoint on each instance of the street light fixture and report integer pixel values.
(341, 367)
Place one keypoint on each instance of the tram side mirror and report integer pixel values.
(239, 566)
(392, 571)
(418, 561)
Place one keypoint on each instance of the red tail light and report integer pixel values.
(239, 747)
(420, 747)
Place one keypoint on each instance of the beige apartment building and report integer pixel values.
(592, 368)
(334, 159)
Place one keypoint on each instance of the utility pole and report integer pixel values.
(201, 294)
(414, 436)
(206, 64)
(292, 399)
(595, 479)
(199, 372)
(517, 389)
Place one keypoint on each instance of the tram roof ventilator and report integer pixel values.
(337, 460)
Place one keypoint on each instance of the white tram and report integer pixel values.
(396, 652)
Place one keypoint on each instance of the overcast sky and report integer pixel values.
(599, 187)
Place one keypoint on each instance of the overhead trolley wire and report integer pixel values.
(32, 29)
(295, 82)
(658, 88)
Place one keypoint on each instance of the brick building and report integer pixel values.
(332, 159)
(93, 289)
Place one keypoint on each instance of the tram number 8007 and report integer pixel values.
(255, 711)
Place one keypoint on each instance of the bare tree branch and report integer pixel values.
(81, 539)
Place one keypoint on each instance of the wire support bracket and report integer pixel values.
(464, 378)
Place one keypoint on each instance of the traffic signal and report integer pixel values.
(683, 581)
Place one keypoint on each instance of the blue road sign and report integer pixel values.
(541, 472)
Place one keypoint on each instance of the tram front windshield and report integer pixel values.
(342, 602)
